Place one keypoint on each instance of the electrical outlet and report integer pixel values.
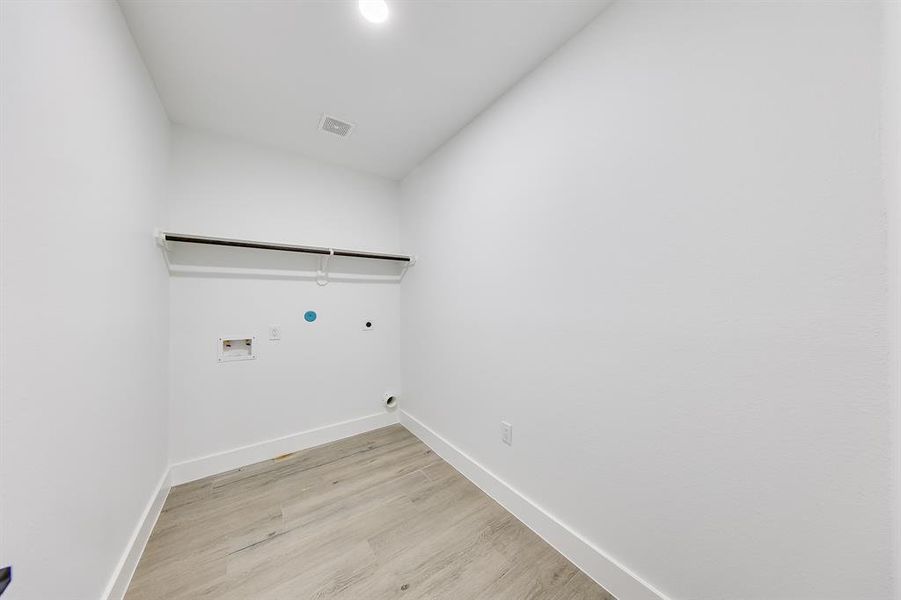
(507, 433)
(275, 332)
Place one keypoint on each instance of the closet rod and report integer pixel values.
(214, 241)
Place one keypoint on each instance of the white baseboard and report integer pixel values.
(219, 463)
(595, 563)
(213, 464)
(124, 571)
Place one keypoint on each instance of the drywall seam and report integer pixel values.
(220, 462)
(614, 577)
(124, 571)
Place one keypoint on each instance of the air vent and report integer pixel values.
(336, 126)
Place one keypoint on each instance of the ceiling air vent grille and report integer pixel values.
(336, 126)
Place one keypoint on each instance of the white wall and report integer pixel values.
(890, 136)
(318, 374)
(661, 257)
(84, 296)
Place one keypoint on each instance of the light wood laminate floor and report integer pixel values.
(371, 517)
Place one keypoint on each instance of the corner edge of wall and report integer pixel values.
(128, 563)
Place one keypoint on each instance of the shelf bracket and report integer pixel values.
(322, 275)
(161, 239)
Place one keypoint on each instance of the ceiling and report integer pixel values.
(266, 70)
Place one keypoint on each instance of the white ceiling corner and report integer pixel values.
(266, 70)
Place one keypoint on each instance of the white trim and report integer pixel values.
(118, 584)
(186, 270)
(198, 468)
(610, 574)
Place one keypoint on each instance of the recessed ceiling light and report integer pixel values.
(374, 11)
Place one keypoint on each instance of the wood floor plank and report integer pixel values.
(374, 517)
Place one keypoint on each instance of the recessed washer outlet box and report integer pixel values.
(236, 348)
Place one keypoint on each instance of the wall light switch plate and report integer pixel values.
(507, 433)
(275, 332)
